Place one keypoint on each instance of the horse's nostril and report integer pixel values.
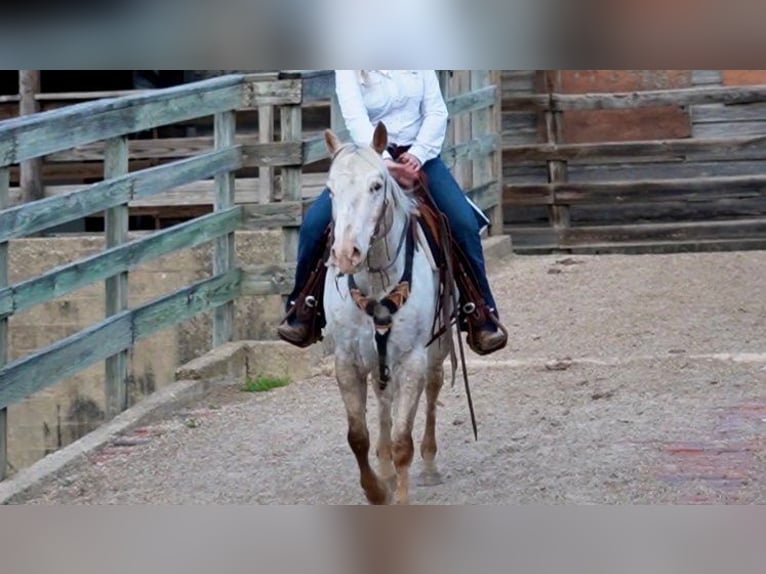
(356, 254)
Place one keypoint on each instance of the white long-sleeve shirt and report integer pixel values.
(408, 102)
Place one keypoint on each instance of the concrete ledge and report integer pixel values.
(496, 250)
(251, 359)
(161, 403)
(229, 361)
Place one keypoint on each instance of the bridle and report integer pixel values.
(383, 311)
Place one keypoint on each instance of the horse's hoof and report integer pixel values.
(429, 478)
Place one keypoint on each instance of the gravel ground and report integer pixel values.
(627, 379)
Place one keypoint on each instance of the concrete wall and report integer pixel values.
(66, 411)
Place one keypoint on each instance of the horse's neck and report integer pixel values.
(386, 258)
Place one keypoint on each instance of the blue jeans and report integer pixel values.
(450, 200)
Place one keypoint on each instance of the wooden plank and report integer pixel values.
(496, 168)
(257, 93)
(486, 196)
(185, 303)
(686, 189)
(554, 133)
(690, 189)
(66, 357)
(291, 130)
(69, 356)
(651, 98)
(116, 287)
(4, 348)
(266, 136)
(272, 215)
(315, 148)
(480, 97)
(689, 169)
(192, 194)
(733, 129)
(736, 113)
(275, 154)
(669, 211)
(224, 254)
(706, 77)
(31, 218)
(659, 149)
(474, 149)
(262, 280)
(482, 124)
(49, 132)
(31, 170)
(461, 166)
(83, 272)
(518, 194)
(676, 231)
(318, 86)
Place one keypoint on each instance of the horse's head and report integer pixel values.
(359, 185)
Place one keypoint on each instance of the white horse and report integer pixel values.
(380, 298)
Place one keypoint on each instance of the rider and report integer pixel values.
(410, 104)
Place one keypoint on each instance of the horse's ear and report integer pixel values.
(332, 141)
(380, 138)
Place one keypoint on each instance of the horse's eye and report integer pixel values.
(377, 186)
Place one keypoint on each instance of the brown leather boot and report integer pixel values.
(295, 332)
(303, 325)
(485, 332)
(486, 341)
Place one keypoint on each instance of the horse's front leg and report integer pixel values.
(353, 390)
(410, 380)
(384, 449)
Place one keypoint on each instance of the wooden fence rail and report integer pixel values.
(99, 130)
(110, 121)
(668, 190)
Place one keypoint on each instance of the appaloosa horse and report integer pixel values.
(380, 298)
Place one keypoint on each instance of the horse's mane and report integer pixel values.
(401, 198)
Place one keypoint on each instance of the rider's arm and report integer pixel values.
(353, 109)
(430, 139)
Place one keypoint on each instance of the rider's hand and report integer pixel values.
(402, 173)
(410, 161)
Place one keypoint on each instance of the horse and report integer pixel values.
(380, 297)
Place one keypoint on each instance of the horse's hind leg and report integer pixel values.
(384, 450)
(430, 475)
(353, 389)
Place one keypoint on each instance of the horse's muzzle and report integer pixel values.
(347, 258)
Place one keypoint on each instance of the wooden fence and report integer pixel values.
(102, 128)
(698, 193)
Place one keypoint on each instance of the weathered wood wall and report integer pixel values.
(633, 160)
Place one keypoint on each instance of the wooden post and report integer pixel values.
(497, 218)
(337, 123)
(460, 83)
(31, 170)
(223, 320)
(265, 135)
(4, 202)
(116, 229)
(554, 132)
(444, 83)
(291, 130)
(481, 125)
